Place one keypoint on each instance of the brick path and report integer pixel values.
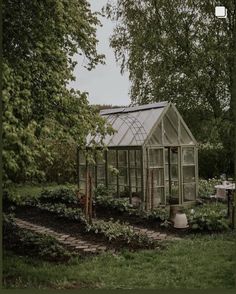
(84, 246)
(155, 235)
(72, 243)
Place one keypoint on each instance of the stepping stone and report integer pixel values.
(70, 239)
(81, 247)
(65, 236)
(102, 248)
(79, 242)
(90, 250)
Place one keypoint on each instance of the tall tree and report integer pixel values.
(177, 50)
(39, 41)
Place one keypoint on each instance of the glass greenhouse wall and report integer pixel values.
(151, 157)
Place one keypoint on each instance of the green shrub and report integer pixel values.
(60, 195)
(207, 187)
(211, 163)
(209, 217)
(116, 231)
(30, 243)
(61, 210)
(159, 214)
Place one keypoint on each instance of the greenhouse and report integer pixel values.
(151, 157)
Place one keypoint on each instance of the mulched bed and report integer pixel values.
(73, 228)
(139, 222)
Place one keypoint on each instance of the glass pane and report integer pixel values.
(188, 155)
(174, 155)
(188, 174)
(174, 172)
(138, 158)
(167, 172)
(175, 189)
(158, 177)
(139, 182)
(184, 136)
(111, 157)
(122, 158)
(132, 158)
(171, 134)
(158, 197)
(189, 192)
(123, 176)
(101, 172)
(133, 177)
(155, 157)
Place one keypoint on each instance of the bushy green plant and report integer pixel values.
(104, 198)
(102, 191)
(61, 210)
(60, 195)
(208, 217)
(207, 187)
(159, 213)
(30, 243)
(119, 204)
(118, 232)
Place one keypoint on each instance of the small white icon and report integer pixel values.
(220, 12)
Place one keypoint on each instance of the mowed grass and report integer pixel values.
(193, 262)
(31, 191)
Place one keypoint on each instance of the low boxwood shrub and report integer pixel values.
(60, 195)
(30, 243)
(208, 217)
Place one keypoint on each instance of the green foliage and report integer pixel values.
(159, 214)
(39, 109)
(207, 187)
(104, 199)
(179, 51)
(60, 195)
(199, 262)
(214, 160)
(209, 217)
(61, 210)
(33, 244)
(116, 231)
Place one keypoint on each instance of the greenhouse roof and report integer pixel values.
(132, 124)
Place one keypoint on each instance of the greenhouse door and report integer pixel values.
(172, 175)
(155, 178)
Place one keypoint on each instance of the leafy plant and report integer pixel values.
(207, 187)
(159, 213)
(30, 243)
(118, 232)
(61, 195)
(209, 217)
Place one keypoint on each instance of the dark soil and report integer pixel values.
(73, 228)
(139, 222)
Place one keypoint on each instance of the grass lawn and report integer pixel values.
(193, 262)
(26, 191)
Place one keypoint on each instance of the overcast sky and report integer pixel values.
(105, 84)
